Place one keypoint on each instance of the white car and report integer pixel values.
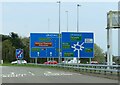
(65, 62)
(73, 61)
(19, 62)
(70, 62)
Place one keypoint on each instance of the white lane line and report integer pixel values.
(31, 73)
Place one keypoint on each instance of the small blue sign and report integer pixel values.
(19, 53)
(72, 42)
(43, 45)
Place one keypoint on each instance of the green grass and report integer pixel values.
(22, 65)
(26, 65)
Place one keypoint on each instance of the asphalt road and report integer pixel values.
(45, 75)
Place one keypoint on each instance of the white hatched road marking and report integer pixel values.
(31, 73)
(12, 74)
(48, 73)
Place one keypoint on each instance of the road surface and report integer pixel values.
(46, 75)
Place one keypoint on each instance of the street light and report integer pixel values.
(59, 31)
(78, 17)
(48, 33)
(78, 23)
(67, 19)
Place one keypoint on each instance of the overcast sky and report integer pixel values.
(29, 17)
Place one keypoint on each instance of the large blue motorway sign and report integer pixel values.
(19, 53)
(72, 42)
(43, 45)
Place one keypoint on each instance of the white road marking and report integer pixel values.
(22, 75)
(4, 76)
(31, 73)
(48, 73)
(12, 74)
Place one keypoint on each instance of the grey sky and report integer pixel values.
(27, 17)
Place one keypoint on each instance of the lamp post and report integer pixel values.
(78, 17)
(78, 23)
(59, 31)
(48, 33)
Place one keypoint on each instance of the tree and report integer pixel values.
(16, 41)
(98, 54)
(25, 42)
(8, 51)
(4, 37)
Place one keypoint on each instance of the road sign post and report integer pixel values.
(77, 45)
(36, 61)
(44, 43)
(19, 55)
(112, 23)
(90, 60)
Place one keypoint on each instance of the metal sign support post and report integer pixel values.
(111, 16)
(109, 47)
(51, 56)
(17, 60)
(109, 40)
(64, 61)
(47, 59)
(38, 53)
(36, 61)
(78, 56)
(20, 61)
(90, 60)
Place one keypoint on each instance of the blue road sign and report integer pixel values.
(72, 42)
(43, 45)
(19, 53)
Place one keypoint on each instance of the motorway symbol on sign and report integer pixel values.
(77, 44)
(45, 44)
(19, 53)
